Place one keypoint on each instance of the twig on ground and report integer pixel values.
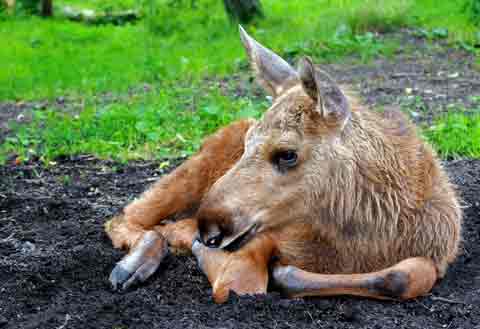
(310, 315)
(424, 306)
(446, 300)
(404, 74)
(146, 180)
(67, 318)
(8, 238)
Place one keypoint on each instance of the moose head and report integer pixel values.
(279, 179)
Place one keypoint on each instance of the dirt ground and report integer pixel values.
(423, 78)
(55, 258)
(55, 261)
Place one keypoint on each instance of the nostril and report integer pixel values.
(214, 241)
(210, 233)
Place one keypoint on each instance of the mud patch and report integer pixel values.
(423, 78)
(55, 261)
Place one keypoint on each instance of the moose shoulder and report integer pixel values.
(345, 200)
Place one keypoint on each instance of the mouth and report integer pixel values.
(240, 239)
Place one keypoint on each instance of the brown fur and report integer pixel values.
(167, 197)
(379, 196)
(366, 194)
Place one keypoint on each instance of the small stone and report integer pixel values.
(3, 321)
(27, 247)
(349, 313)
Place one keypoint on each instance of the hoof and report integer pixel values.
(141, 263)
(118, 277)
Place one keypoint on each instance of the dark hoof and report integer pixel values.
(118, 277)
(141, 263)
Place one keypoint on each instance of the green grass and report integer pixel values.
(45, 58)
(176, 48)
(52, 59)
(456, 135)
(150, 127)
(157, 129)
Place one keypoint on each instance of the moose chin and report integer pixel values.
(321, 197)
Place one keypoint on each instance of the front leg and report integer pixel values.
(244, 271)
(151, 248)
(143, 260)
(182, 189)
(185, 187)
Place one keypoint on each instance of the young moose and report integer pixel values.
(320, 195)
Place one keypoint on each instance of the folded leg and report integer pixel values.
(149, 250)
(182, 189)
(142, 261)
(409, 278)
(244, 271)
(179, 191)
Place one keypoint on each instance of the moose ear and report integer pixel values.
(331, 102)
(273, 73)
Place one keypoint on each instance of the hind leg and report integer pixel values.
(409, 278)
(179, 191)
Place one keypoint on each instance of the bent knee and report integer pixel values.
(120, 233)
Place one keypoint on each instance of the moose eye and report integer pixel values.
(286, 159)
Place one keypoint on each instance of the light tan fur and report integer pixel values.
(365, 194)
(370, 196)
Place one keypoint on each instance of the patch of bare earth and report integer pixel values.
(55, 261)
(425, 79)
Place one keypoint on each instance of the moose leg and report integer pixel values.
(409, 278)
(150, 249)
(183, 188)
(141, 262)
(244, 271)
(176, 192)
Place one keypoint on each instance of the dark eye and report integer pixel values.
(286, 159)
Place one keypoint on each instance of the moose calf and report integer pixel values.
(322, 195)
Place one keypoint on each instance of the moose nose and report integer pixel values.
(213, 237)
